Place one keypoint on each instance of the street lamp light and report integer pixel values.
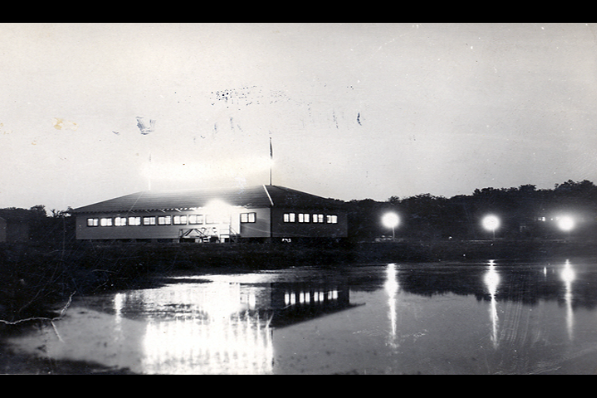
(566, 223)
(391, 220)
(491, 223)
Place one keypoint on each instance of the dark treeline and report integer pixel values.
(525, 213)
(36, 226)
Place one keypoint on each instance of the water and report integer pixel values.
(482, 318)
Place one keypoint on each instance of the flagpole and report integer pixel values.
(271, 160)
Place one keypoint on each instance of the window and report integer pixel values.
(148, 220)
(92, 222)
(134, 220)
(303, 217)
(164, 220)
(289, 217)
(179, 220)
(332, 219)
(318, 218)
(248, 217)
(105, 222)
(120, 221)
(195, 218)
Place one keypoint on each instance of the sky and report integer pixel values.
(353, 110)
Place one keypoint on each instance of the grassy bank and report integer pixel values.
(33, 278)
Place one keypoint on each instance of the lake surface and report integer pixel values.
(441, 318)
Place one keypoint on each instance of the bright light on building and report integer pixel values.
(219, 208)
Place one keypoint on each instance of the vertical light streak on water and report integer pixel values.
(568, 275)
(391, 286)
(118, 305)
(492, 281)
(204, 329)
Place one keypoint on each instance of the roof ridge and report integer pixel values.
(268, 195)
(255, 195)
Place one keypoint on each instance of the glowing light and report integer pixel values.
(390, 220)
(189, 171)
(218, 206)
(220, 211)
(566, 223)
(491, 223)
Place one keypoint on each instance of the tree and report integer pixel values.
(38, 211)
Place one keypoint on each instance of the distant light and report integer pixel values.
(491, 223)
(390, 220)
(566, 223)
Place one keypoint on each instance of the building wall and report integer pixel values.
(249, 223)
(294, 227)
(260, 228)
(256, 226)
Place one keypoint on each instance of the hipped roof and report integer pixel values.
(262, 196)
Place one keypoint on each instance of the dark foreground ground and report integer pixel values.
(35, 281)
(12, 363)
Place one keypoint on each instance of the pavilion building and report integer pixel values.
(260, 213)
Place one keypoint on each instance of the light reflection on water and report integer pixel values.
(483, 318)
(492, 280)
(391, 286)
(568, 275)
(206, 330)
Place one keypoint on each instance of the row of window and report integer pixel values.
(311, 218)
(190, 219)
(200, 219)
